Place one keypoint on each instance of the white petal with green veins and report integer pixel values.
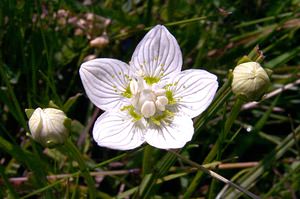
(172, 134)
(194, 91)
(117, 131)
(106, 82)
(158, 55)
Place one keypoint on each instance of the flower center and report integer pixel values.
(147, 99)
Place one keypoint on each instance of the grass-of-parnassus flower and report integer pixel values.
(150, 100)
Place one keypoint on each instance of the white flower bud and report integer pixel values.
(250, 81)
(48, 126)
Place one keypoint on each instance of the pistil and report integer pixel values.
(147, 100)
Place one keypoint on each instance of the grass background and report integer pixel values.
(43, 43)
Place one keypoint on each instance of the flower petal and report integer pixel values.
(171, 136)
(157, 55)
(193, 91)
(117, 130)
(105, 82)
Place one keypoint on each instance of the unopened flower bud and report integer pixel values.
(99, 42)
(49, 126)
(250, 81)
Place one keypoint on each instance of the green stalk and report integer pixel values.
(74, 153)
(147, 159)
(221, 96)
(75, 174)
(18, 113)
(149, 181)
(249, 179)
(30, 160)
(215, 175)
(11, 191)
(213, 152)
(265, 19)
(185, 21)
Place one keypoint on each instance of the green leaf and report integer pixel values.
(249, 179)
(69, 103)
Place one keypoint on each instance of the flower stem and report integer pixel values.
(214, 175)
(147, 159)
(11, 190)
(74, 153)
(213, 152)
(221, 96)
(31, 161)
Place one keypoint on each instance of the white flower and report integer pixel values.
(48, 126)
(150, 100)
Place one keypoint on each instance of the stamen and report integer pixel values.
(147, 100)
(134, 87)
(160, 92)
(163, 100)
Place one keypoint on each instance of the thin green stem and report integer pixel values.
(255, 22)
(43, 189)
(221, 96)
(185, 21)
(214, 175)
(10, 188)
(176, 23)
(223, 93)
(233, 115)
(149, 181)
(213, 152)
(147, 160)
(110, 160)
(73, 152)
(75, 174)
(264, 165)
(19, 115)
(30, 160)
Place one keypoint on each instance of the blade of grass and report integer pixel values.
(215, 175)
(76, 174)
(148, 159)
(221, 96)
(294, 170)
(159, 170)
(265, 19)
(18, 114)
(72, 151)
(213, 152)
(31, 162)
(11, 191)
(283, 58)
(249, 179)
(185, 21)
